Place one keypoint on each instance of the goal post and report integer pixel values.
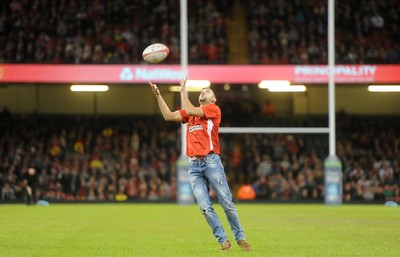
(270, 130)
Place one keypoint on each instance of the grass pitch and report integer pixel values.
(170, 230)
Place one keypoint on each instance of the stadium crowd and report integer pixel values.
(117, 31)
(107, 32)
(119, 158)
(295, 32)
(287, 167)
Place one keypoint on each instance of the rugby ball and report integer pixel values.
(155, 53)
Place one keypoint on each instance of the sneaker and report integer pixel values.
(244, 245)
(226, 246)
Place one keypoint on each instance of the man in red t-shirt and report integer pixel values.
(205, 167)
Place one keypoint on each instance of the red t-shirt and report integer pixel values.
(202, 132)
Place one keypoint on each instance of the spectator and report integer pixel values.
(264, 168)
(268, 109)
(30, 184)
(7, 193)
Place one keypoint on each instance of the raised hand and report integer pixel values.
(183, 85)
(155, 89)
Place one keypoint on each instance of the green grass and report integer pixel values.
(170, 230)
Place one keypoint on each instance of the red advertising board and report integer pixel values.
(234, 74)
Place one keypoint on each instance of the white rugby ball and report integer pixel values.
(155, 53)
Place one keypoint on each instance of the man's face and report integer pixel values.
(207, 96)
(31, 171)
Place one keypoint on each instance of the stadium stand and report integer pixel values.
(95, 159)
(245, 32)
(107, 32)
(295, 32)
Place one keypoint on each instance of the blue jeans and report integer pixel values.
(206, 172)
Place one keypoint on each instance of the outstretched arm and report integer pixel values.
(187, 105)
(166, 112)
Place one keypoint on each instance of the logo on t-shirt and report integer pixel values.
(196, 127)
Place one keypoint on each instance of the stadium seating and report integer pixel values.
(86, 158)
(219, 32)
